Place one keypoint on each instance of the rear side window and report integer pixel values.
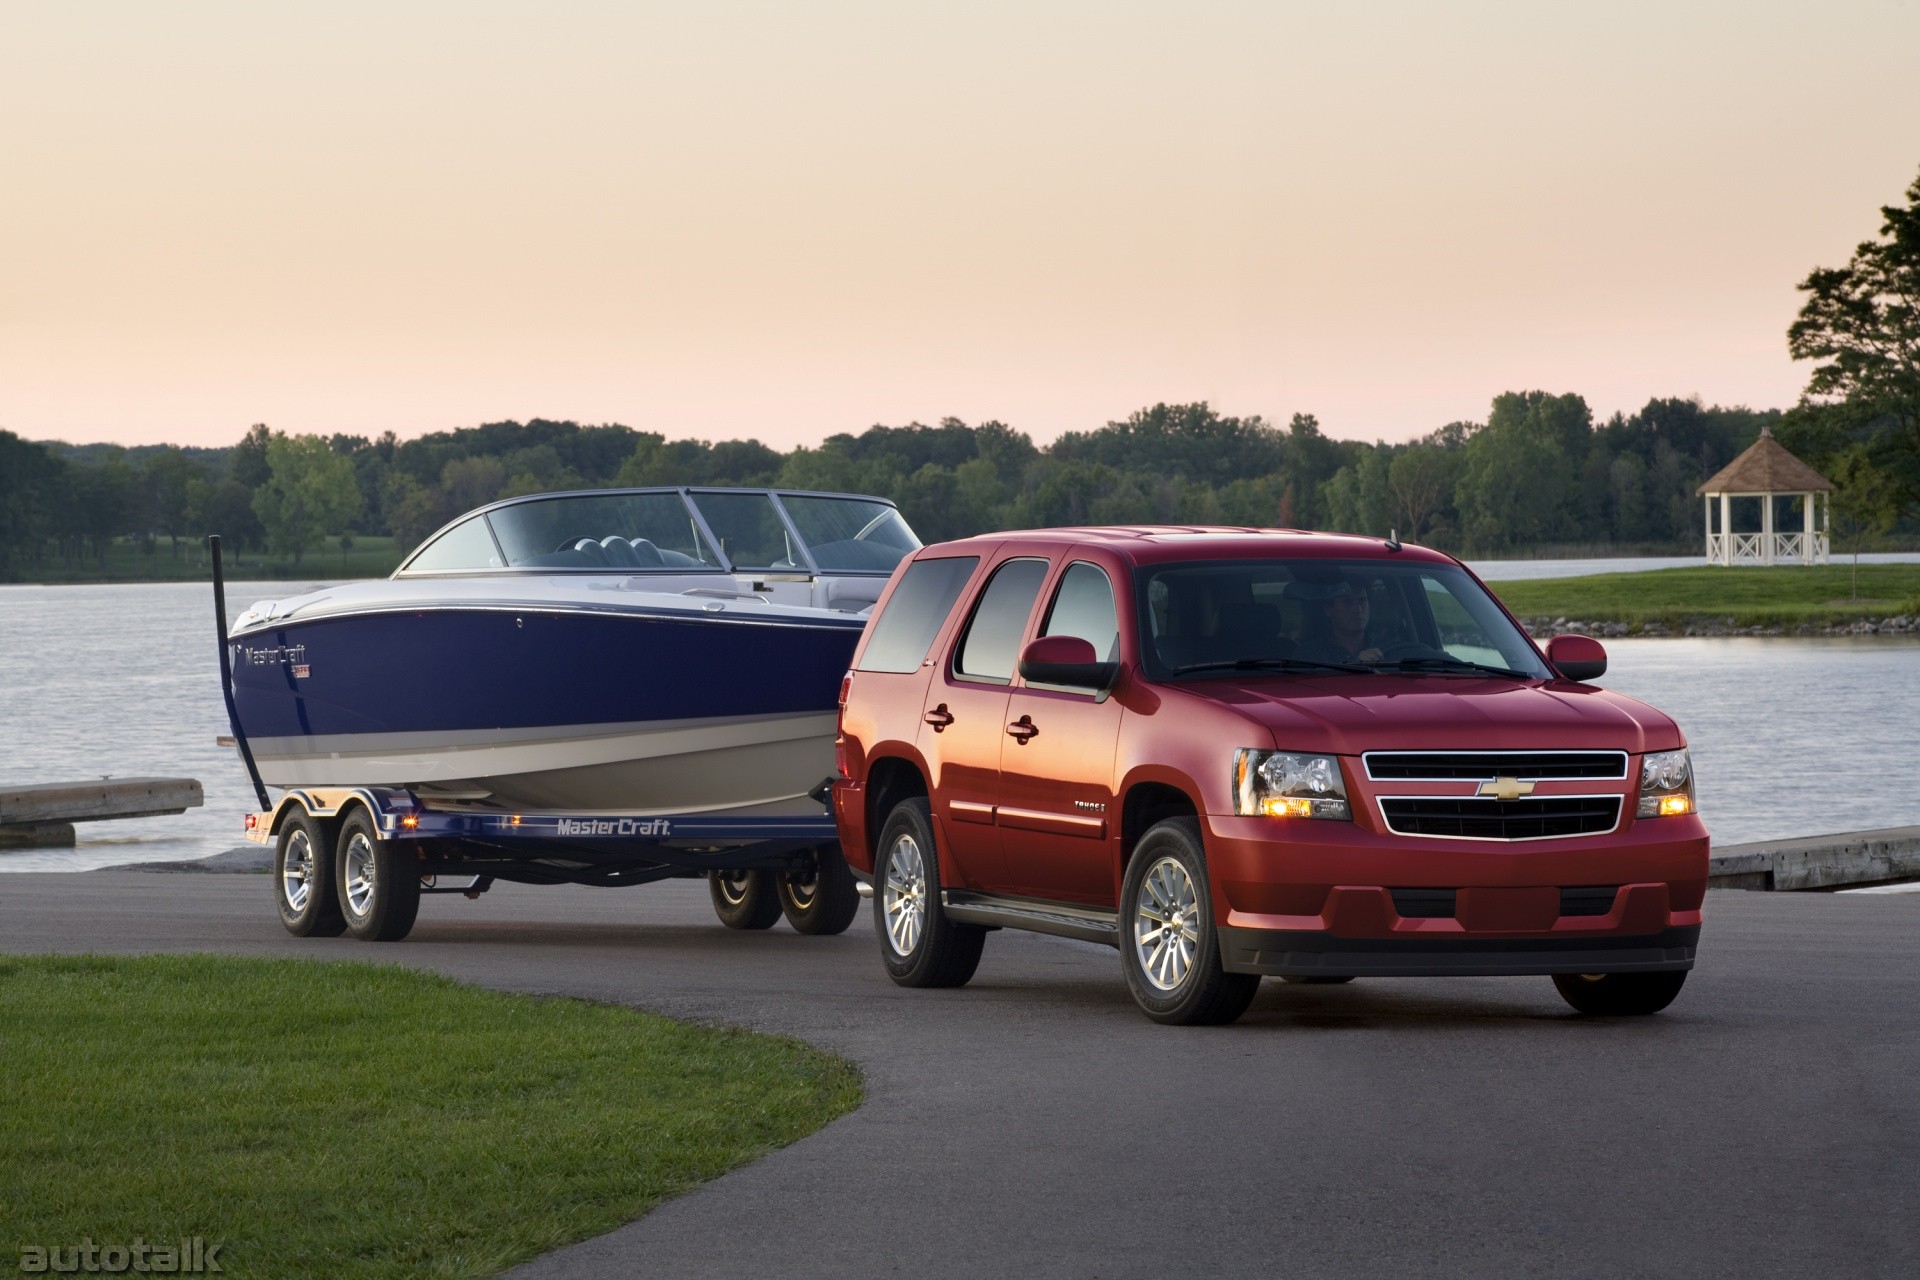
(905, 629)
(1083, 606)
(992, 642)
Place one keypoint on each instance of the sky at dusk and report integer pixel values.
(788, 220)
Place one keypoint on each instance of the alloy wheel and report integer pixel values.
(296, 871)
(905, 894)
(1166, 932)
(360, 873)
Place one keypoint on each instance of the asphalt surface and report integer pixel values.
(1033, 1123)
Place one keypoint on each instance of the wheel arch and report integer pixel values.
(890, 779)
(1146, 800)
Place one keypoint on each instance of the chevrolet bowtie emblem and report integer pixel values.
(1506, 788)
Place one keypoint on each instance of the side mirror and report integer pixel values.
(1577, 657)
(1065, 660)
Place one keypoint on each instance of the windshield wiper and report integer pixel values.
(1453, 664)
(1274, 664)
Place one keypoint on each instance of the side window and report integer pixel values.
(905, 629)
(466, 546)
(1083, 606)
(991, 644)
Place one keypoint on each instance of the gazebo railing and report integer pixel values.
(1751, 548)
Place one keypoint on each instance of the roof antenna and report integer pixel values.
(1393, 539)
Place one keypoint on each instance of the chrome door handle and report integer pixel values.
(939, 717)
(1023, 728)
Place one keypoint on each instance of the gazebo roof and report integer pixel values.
(1766, 467)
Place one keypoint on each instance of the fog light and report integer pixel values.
(1671, 806)
(409, 822)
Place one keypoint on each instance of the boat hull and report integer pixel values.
(623, 710)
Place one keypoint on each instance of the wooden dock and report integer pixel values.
(41, 816)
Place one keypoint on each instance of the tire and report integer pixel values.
(303, 886)
(379, 882)
(1626, 995)
(919, 945)
(823, 899)
(1168, 945)
(744, 899)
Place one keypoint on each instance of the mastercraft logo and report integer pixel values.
(615, 827)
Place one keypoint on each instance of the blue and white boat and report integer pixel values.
(629, 652)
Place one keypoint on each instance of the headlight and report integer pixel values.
(1666, 784)
(1283, 784)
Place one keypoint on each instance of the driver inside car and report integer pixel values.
(1348, 613)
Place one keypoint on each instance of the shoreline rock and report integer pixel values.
(248, 859)
(1545, 628)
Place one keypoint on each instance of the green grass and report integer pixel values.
(1786, 596)
(128, 562)
(353, 1120)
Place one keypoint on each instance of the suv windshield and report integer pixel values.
(1312, 616)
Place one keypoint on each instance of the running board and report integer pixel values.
(1062, 919)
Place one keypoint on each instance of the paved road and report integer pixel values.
(1034, 1124)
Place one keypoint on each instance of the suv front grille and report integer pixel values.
(1477, 819)
(1450, 766)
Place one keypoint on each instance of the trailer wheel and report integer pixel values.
(379, 882)
(303, 885)
(823, 898)
(744, 899)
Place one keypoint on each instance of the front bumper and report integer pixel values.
(1304, 954)
(1301, 898)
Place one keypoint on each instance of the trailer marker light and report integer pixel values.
(514, 821)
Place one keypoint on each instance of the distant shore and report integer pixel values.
(1781, 601)
(1542, 628)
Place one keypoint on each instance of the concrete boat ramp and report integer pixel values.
(41, 815)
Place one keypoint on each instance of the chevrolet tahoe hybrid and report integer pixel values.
(1231, 753)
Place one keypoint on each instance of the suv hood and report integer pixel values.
(1346, 715)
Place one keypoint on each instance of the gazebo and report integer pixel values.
(1767, 471)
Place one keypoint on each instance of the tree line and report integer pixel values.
(1538, 471)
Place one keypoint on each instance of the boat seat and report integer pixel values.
(619, 552)
(593, 551)
(646, 554)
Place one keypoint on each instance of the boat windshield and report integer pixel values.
(1315, 616)
(602, 531)
(850, 535)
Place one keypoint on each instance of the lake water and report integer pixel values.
(1790, 736)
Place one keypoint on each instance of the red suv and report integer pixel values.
(1234, 752)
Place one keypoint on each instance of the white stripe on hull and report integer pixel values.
(759, 765)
